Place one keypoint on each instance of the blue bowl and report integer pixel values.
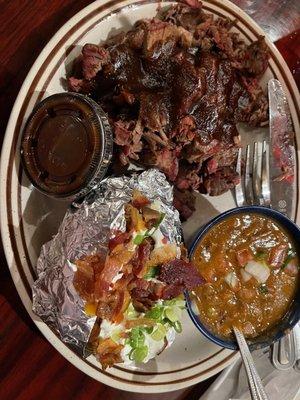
(292, 316)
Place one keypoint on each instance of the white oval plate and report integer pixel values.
(29, 219)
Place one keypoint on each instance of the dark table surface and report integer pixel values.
(30, 368)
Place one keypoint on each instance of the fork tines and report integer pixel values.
(253, 168)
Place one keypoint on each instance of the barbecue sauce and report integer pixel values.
(63, 144)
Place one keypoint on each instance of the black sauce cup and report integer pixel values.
(66, 145)
(288, 321)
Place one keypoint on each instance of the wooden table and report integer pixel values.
(29, 367)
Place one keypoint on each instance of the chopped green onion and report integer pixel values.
(137, 338)
(159, 333)
(177, 326)
(162, 216)
(152, 273)
(149, 329)
(138, 354)
(263, 289)
(178, 302)
(131, 356)
(290, 255)
(172, 314)
(139, 239)
(155, 313)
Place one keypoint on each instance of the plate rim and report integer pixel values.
(9, 141)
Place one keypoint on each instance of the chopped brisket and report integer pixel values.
(94, 57)
(219, 182)
(188, 177)
(174, 88)
(184, 202)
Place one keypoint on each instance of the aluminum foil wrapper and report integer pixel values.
(86, 229)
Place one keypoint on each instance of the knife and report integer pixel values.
(282, 153)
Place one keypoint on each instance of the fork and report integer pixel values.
(254, 189)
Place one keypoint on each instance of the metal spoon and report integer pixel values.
(255, 384)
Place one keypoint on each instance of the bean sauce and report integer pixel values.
(251, 270)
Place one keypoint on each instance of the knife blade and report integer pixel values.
(282, 154)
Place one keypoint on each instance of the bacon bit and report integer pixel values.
(118, 307)
(117, 249)
(124, 281)
(113, 265)
(106, 306)
(149, 214)
(85, 276)
(180, 273)
(165, 240)
(94, 337)
(122, 305)
(142, 255)
(138, 199)
(144, 293)
(159, 289)
(84, 279)
(171, 291)
(162, 255)
(277, 256)
(139, 322)
(140, 284)
(136, 221)
(178, 276)
(243, 256)
(85, 267)
(92, 262)
(119, 238)
(109, 353)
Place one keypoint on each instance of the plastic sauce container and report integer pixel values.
(66, 145)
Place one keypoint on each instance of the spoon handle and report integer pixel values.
(256, 387)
